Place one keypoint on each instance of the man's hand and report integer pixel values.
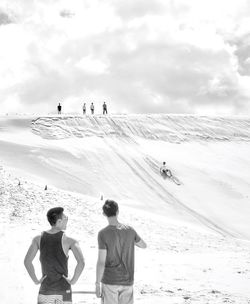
(68, 280)
(71, 282)
(98, 290)
(38, 282)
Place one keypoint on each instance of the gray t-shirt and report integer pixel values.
(119, 241)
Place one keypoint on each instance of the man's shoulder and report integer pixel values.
(104, 230)
(37, 238)
(123, 226)
(69, 240)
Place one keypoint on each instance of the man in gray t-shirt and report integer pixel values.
(115, 265)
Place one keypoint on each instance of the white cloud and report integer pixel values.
(11, 104)
(92, 65)
(66, 13)
(142, 56)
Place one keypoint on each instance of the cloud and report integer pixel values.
(157, 76)
(242, 52)
(66, 13)
(130, 9)
(142, 56)
(5, 18)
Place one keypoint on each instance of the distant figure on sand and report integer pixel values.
(84, 108)
(115, 264)
(164, 170)
(105, 110)
(59, 108)
(92, 108)
(166, 173)
(54, 247)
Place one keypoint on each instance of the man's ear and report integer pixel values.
(58, 222)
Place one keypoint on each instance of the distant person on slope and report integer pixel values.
(59, 108)
(92, 108)
(115, 264)
(165, 170)
(84, 108)
(105, 109)
(54, 247)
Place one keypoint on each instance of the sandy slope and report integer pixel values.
(183, 261)
(119, 156)
(192, 257)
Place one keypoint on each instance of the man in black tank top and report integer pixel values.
(54, 247)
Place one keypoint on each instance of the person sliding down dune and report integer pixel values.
(165, 171)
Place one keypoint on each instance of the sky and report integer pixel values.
(139, 56)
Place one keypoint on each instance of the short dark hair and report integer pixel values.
(110, 208)
(54, 214)
(164, 163)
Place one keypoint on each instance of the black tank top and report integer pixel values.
(54, 263)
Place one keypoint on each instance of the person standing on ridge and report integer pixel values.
(59, 108)
(92, 108)
(115, 264)
(84, 108)
(54, 247)
(105, 110)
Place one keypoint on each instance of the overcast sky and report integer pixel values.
(140, 56)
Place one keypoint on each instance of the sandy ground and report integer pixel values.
(197, 233)
(182, 264)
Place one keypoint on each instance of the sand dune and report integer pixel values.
(197, 230)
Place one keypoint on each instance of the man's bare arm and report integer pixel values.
(102, 253)
(30, 255)
(80, 262)
(141, 244)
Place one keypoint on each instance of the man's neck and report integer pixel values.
(54, 229)
(113, 221)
